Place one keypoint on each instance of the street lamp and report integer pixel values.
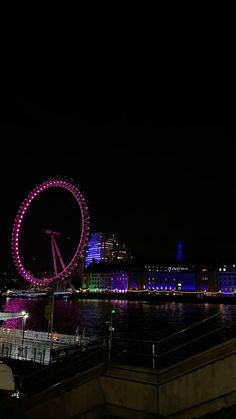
(24, 317)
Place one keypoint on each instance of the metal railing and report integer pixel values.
(172, 348)
(39, 346)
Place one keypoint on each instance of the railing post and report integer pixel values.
(34, 354)
(111, 328)
(153, 356)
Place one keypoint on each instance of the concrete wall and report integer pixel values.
(201, 384)
(78, 397)
(130, 392)
(82, 401)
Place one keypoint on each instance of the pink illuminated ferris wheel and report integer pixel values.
(81, 247)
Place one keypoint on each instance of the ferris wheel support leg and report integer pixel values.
(54, 255)
(58, 253)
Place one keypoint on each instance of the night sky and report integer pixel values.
(139, 112)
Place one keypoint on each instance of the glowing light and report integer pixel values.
(83, 239)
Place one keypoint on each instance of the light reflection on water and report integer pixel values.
(137, 325)
(137, 320)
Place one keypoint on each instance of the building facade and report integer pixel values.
(227, 279)
(100, 247)
(169, 278)
(106, 277)
(104, 247)
(122, 276)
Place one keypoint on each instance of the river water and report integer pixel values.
(137, 325)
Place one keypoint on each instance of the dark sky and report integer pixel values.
(139, 112)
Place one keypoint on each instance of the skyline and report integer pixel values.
(123, 211)
(141, 120)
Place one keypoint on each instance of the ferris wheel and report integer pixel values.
(82, 242)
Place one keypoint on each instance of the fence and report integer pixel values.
(39, 346)
(173, 348)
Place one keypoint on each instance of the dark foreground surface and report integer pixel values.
(21, 368)
(227, 413)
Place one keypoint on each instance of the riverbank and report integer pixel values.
(156, 297)
(184, 297)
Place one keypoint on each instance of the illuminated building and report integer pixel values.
(124, 276)
(158, 276)
(227, 279)
(104, 247)
(207, 279)
(120, 252)
(100, 247)
(169, 278)
(107, 277)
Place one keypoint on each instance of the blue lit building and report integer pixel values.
(121, 277)
(100, 247)
(104, 247)
(158, 276)
(207, 278)
(169, 278)
(227, 279)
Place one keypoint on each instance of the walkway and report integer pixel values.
(40, 347)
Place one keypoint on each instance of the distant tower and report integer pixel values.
(179, 252)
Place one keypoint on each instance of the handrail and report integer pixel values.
(68, 368)
(191, 341)
(189, 327)
(153, 354)
(172, 335)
